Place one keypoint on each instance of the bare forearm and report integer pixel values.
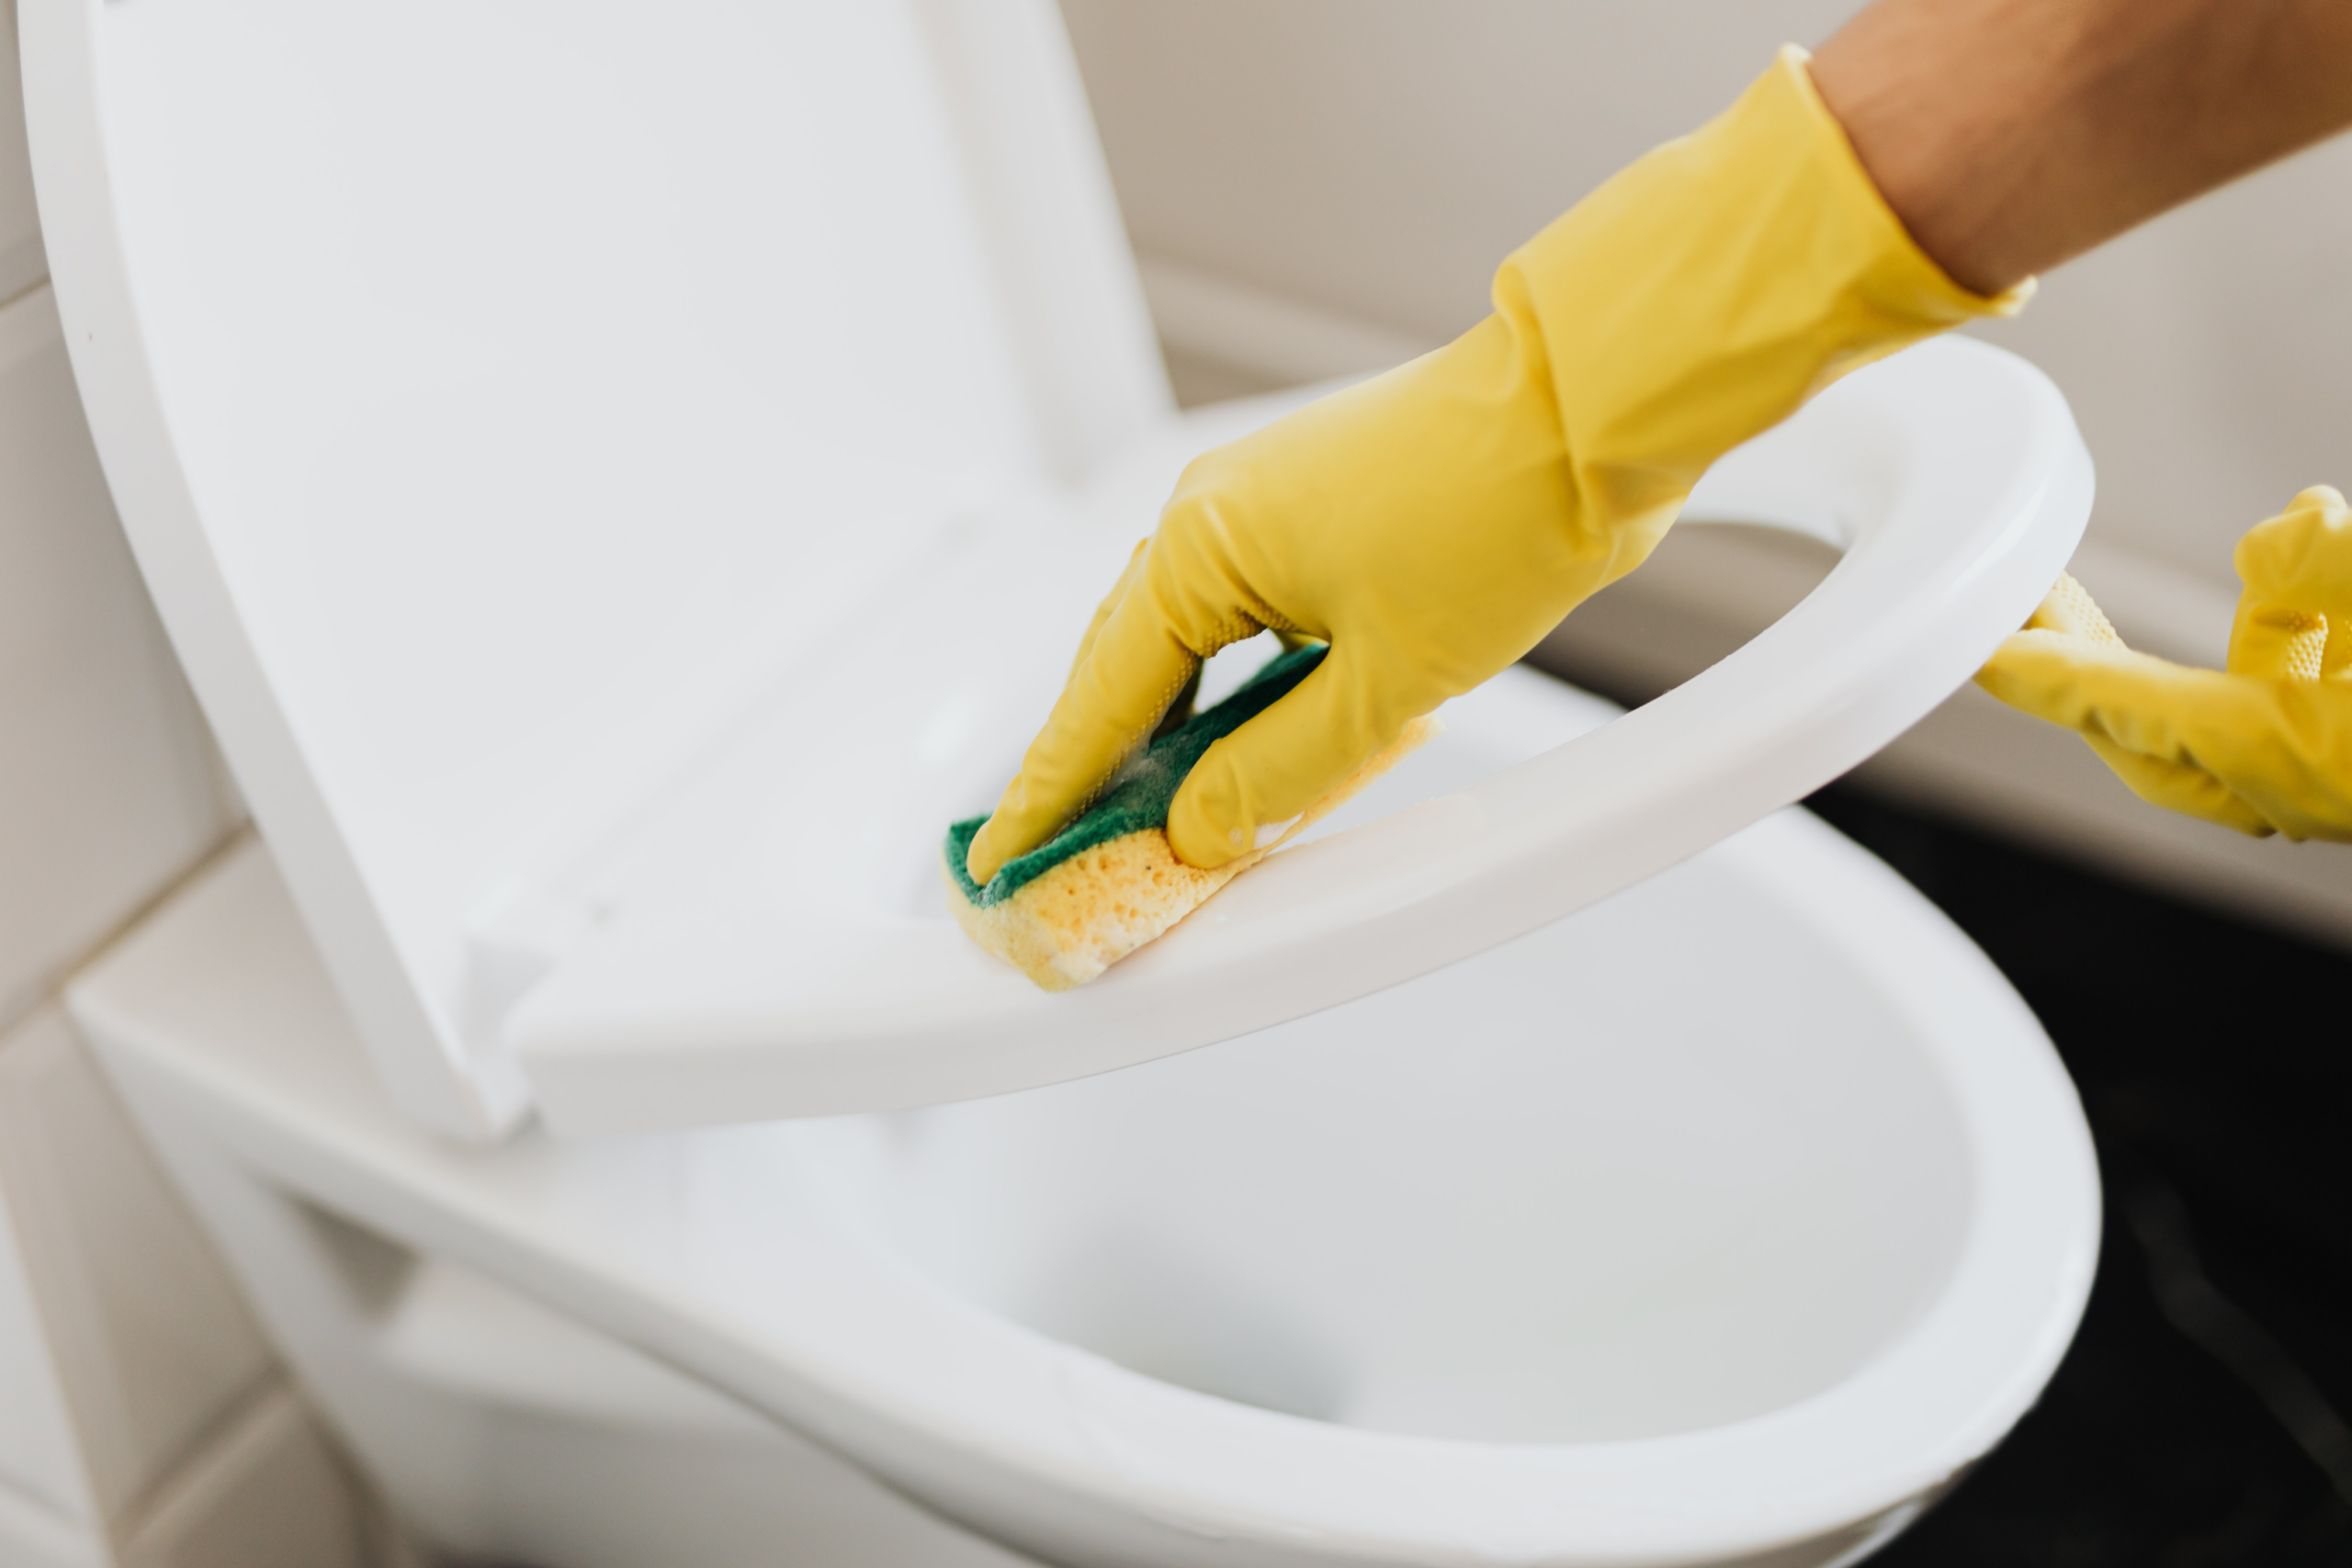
(2010, 135)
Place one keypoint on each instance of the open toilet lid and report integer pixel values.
(520, 414)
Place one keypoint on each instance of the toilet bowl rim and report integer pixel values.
(1030, 1415)
(1933, 1400)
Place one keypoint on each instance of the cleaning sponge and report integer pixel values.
(1108, 882)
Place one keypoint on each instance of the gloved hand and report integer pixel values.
(1433, 524)
(2264, 747)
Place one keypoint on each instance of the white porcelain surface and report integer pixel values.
(32, 1537)
(1572, 1254)
(487, 460)
(531, 548)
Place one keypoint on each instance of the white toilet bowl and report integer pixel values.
(620, 480)
(1725, 1222)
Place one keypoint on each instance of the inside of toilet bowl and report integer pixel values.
(1668, 1164)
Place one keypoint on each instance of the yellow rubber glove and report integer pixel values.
(2264, 747)
(1433, 524)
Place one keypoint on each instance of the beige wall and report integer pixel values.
(1374, 159)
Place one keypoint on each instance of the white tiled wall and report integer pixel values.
(143, 1420)
(147, 1335)
(41, 1480)
(156, 1428)
(109, 789)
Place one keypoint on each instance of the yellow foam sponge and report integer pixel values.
(1084, 913)
(1108, 882)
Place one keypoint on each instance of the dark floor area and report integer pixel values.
(2198, 1418)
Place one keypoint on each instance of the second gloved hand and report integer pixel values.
(2265, 746)
(1433, 524)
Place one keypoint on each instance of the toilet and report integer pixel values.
(619, 485)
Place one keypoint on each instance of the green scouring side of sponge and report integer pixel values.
(1142, 790)
(1109, 881)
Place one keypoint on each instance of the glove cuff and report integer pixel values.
(1702, 295)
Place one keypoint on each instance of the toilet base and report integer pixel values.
(498, 1431)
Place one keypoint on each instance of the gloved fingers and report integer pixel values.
(1248, 786)
(1128, 574)
(2285, 748)
(2069, 609)
(2092, 687)
(2336, 657)
(1135, 667)
(2180, 787)
(2301, 558)
(2145, 704)
(2281, 748)
(1180, 707)
(2272, 641)
(2294, 620)
(2126, 705)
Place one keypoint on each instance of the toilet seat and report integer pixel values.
(576, 609)
(1949, 475)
